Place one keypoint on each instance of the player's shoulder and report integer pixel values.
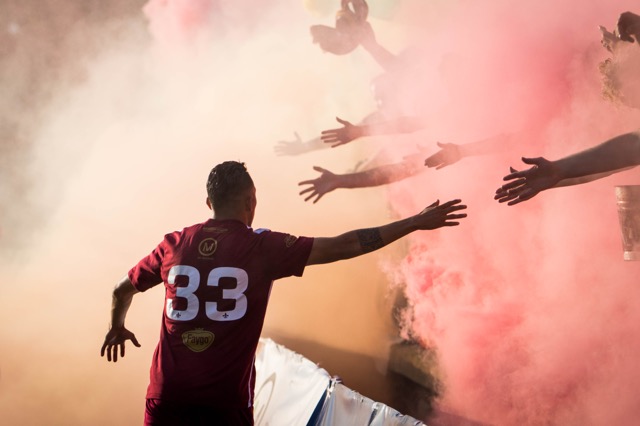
(186, 232)
(277, 238)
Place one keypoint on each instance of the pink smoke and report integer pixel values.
(530, 308)
(175, 22)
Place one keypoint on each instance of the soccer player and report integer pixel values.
(217, 277)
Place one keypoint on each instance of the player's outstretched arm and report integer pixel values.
(361, 241)
(117, 335)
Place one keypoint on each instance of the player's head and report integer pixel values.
(231, 192)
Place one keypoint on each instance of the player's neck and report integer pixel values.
(231, 216)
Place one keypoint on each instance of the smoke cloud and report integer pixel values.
(530, 308)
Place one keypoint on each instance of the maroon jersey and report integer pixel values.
(217, 277)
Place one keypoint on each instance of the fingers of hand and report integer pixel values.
(433, 161)
(452, 209)
(452, 203)
(507, 196)
(311, 190)
(516, 175)
(318, 198)
(513, 184)
(329, 135)
(112, 353)
(523, 196)
(455, 216)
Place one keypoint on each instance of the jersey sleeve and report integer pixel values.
(287, 254)
(147, 272)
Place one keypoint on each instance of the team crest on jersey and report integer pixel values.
(198, 340)
(290, 240)
(207, 247)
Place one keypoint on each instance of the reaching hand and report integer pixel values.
(528, 183)
(436, 215)
(326, 182)
(115, 338)
(342, 135)
(449, 153)
(294, 147)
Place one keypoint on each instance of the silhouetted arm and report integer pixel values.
(377, 176)
(451, 153)
(117, 335)
(349, 132)
(612, 156)
(361, 241)
(298, 146)
(378, 52)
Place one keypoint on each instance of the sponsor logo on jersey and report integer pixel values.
(207, 247)
(290, 240)
(198, 340)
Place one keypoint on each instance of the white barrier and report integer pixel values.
(347, 407)
(289, 388)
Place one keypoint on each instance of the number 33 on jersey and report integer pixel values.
(211, 308)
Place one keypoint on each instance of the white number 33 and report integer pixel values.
(211, 308)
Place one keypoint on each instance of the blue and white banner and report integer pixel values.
(288, 386)
(347, 407)
(293, 391)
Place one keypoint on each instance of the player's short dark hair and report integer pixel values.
(226, 181)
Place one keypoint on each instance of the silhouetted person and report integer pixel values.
(217, 277)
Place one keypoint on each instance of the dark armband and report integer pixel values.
(370, 239)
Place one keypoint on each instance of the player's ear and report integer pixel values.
(209, 204)
(248, 203)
